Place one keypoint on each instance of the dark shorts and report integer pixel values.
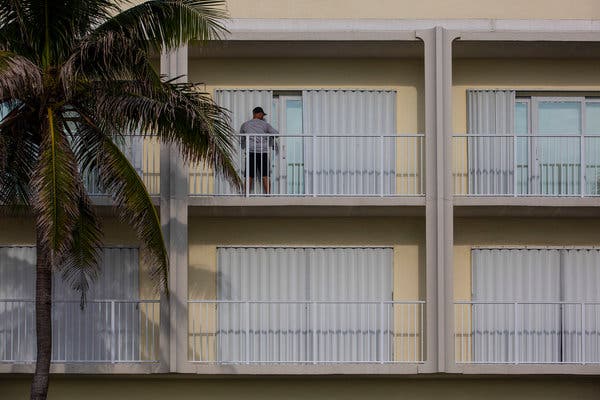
(258, 162)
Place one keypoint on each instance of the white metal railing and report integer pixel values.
(144, 154)
(499, 332)
(312, 332)
(105, 331)
(318, 165)
(526, 165)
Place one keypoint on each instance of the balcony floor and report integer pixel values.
(217, 206)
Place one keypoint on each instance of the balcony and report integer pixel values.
(321, 166)
(526, 165)
(305, 332)
(105, 331)
(500, 332)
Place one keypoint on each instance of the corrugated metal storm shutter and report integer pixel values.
(343, 166)
(77, 334)
(292, 279)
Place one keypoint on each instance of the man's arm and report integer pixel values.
(273, 133)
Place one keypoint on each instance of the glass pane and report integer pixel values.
(293, 117)
(559, 159)
(592, 118)
(592, 149)
(522, 118)
(275, 114)
(559, 118)
(295, 150)
(522, 128)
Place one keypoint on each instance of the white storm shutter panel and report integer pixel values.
(581, 274)
(78, 335)
(351, 165)
(491, 159)
(17, 319)
(300, 323)
(516, 275)
(240, 104)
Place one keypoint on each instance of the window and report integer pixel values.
(549, 162)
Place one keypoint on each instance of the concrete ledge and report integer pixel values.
(558, 207)
(215, 206)
(303, 369)
(85, 368)
(528, 369)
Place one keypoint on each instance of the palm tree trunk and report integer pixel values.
(43, 325)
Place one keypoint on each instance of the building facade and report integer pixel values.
(429, 228)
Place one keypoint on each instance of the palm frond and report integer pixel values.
(135, 206)
(80, 267)
(19, 77)
(165, 24)
(19, 152)
(55, 185)
(176, 114)
(132, 201)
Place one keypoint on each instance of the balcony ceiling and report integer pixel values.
(538, 49)
(309, 49)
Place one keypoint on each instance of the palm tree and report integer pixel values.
(75, 76)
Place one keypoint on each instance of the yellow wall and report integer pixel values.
(406, 76)
(405, 235)
(407, 9)
(349, 388)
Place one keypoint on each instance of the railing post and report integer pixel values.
(314, 331)
(583, 333)
(381, 165)
(247, 174)
(248, 332)
(582, 165)
(314, 165)
(381, 333)
(516, 332)
(515, 165)
(112, 329)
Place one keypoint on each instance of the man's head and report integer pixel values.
(258, 113)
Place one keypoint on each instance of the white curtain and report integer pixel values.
(240, 104)
(491, 159)
(516, 275)
(363, 163)
(78, 335)
(297, 327)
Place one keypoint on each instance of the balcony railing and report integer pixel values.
(305, 332)
(105, 331)
(526, 165)
(316, 165)
(144, 154)
(527, 332)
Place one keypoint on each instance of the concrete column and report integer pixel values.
(438, 205)
(174, 218)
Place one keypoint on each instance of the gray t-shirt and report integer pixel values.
(258, 143)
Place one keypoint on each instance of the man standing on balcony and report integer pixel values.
(261, 138)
